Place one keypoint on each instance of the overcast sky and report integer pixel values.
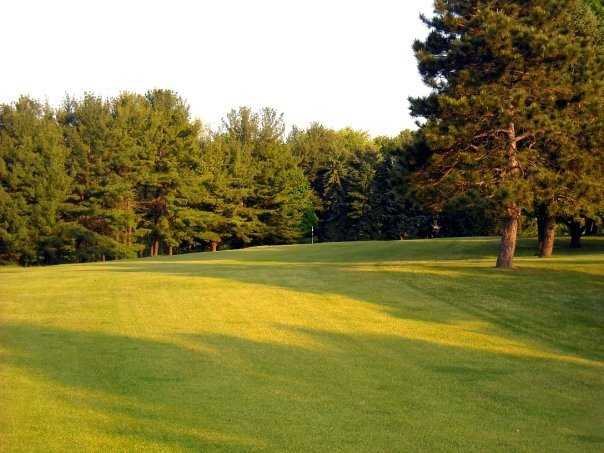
(342, 63)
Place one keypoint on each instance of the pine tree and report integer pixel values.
(170, 165)
(502, 79)
(33, 181)
(395, 210)
(358, 184)
(280, 195)
(569, 184)
(100, 200)
(339, 167)
(224, 214)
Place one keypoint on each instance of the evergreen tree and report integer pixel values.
(358, 185)
(170, 165)
(569, 184)
(395, 210)
(281, 194)
(33, 181)
(339, 166)
(225, 214)
(502, 79)
(100, 199)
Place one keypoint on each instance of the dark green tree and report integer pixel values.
(101, 198)
(569, 184)
(502, 79)
(33, 181)
(169, 167)
(339, 166)
(396, 212)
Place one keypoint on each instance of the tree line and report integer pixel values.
(511, 135)
(135, 175)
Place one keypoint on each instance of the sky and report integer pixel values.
(341, 63)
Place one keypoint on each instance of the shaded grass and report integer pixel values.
(377, 346)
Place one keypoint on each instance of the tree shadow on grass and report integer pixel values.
(353, 393)
(548, 302)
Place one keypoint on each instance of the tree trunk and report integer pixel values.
(509, 235)
(155, 248)
(170, 250)
(546, 246)
(540, 231)
(214, 246)
(591, 227)
(575, 230)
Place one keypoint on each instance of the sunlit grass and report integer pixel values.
(387, 346)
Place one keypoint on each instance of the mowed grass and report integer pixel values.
(373, 346)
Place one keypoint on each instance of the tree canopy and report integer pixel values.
(515, 105)
(510, 135)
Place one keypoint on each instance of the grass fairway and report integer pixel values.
(375, 346)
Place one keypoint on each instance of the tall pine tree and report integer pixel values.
(502, 78)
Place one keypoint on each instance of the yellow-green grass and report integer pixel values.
(373, 346)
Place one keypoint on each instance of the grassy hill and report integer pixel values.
(374, 346)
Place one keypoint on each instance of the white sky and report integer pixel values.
(339, 62)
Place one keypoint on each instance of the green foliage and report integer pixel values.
(468, 214)
(598, 8)
(340, 167)
(516, 105)
(108, 179)
(514, 123)
(365, 189)
(33, 183)
(73, 243)
(102, 193)
(396, 212)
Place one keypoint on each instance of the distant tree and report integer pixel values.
(502, 79)
(225, 214)
(282, 194)
(396, 212)
(130, 164)
(255, 190)
(101, 199)
(340, 167)
(33, 181)
(171, 164)
(313, 147)
(320, 155)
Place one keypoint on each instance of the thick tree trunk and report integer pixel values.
(509, 235)
(546, 245)
(170, 250)
(155, 248)
(575, 230)
(214, 246)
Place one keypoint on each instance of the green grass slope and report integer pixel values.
(374, 346)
